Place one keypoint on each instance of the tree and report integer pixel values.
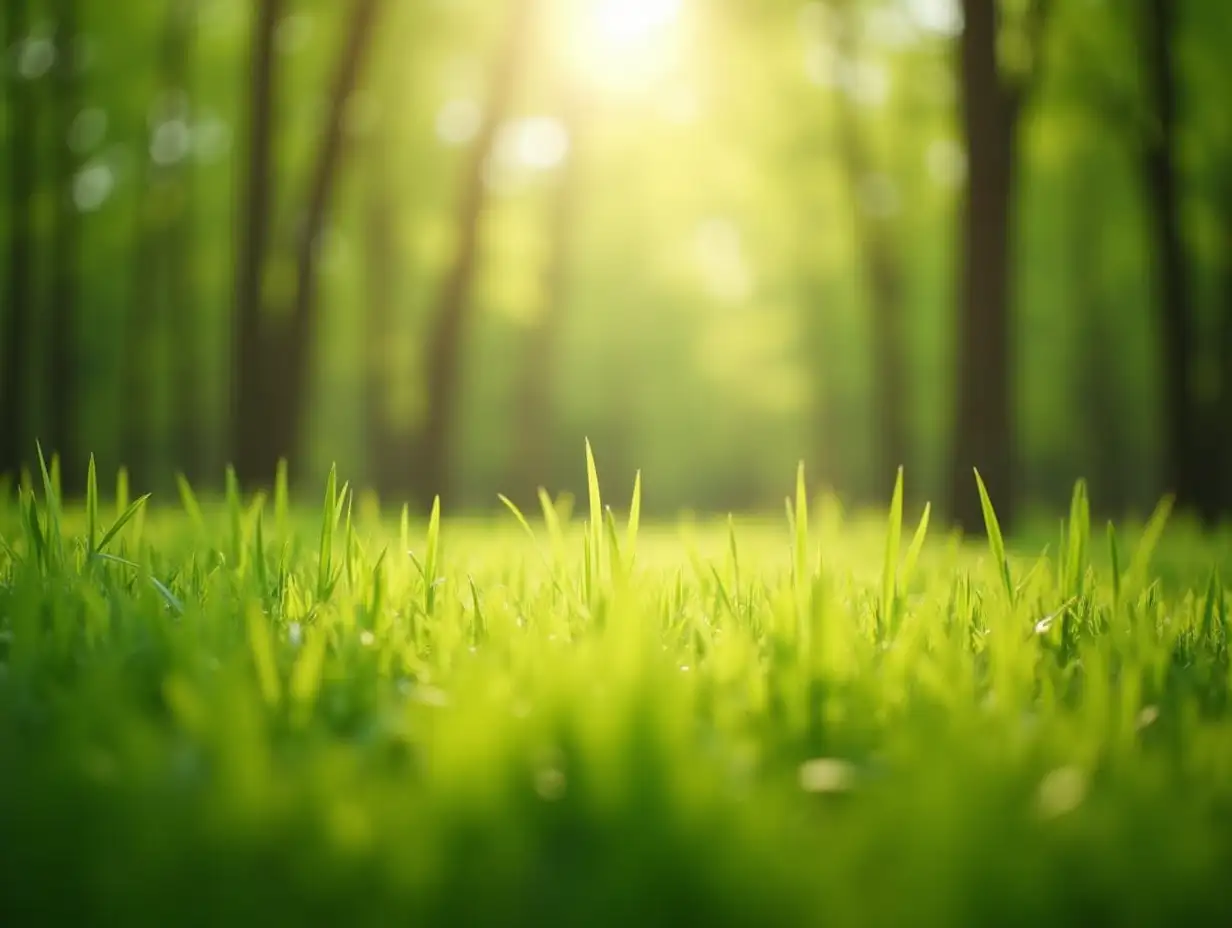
(534, 390)
(453, 307)
(880, 256)
(992, 99)
(1161, 181)
(19, 293)
(389, 451)
(251, 405)
(276, 354)
(164, 309)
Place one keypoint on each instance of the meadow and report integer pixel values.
(243, 711)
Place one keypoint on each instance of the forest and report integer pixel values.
(442, 243)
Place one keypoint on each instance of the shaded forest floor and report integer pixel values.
(256, 714)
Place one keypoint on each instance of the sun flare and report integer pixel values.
(625, 44)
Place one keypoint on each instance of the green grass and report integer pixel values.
(223, 714)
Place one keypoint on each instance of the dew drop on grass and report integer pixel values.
(431, 696)
(827, 775)
(1061, 791)
(1147, 717)
(295, 634)
(550, 783)
(366, 638)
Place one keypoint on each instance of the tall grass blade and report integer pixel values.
(281, 497)
(125, 517)
(91, 505)
(325, 550)
(894, 534)
(996, 541)
(432, 556)
(188, 499)
(635, 518)
(914, 549)
(1147, 544)
(517, 514)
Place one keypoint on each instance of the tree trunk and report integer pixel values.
(290, 343)
(534, 415)
(15, 447)
(1223, 459)
(65, 247)
(389, 451)
(450, 320)
(162, 316)
(190, 439)
(1184, 460)
(984, 422)
(1103, 444)
(251, 410)
(882, 271)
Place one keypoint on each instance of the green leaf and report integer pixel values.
(517, 514)
(91, 505)
(1114, 557)
(188, 499)
(635, 518)
(281, 496)
(596, 510)
(1078, 534)
(1147, 544)
(325, 551)
(916, 546)
(125, 517)
(431, 557)
(996, 542)
(122, 495)
(261, 647)
(894, 534)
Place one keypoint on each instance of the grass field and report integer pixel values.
(246, 713)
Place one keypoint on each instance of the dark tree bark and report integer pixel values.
(991, 106)
(273, 415)
(1223, 411)
(534, 415)
(1184, 457)
(65, 249)
(452, 315)
(15, 447)
(882, 270)
(250, 405)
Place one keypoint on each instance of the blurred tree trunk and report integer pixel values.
(274, 414)
(251, 406)
(1104, 446)
(389, 450)
(1223, 409)
(452, 314)
(62, 435)
(19, 292)
(991, 107)
(190, 439)
(162, 316)
(1185, 461)
(535, 415)
(881, 256)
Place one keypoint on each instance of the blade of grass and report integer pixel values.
(996, 542)
(894, 534)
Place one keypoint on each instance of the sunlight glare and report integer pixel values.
(626, 44)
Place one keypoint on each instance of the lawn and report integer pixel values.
(245, 712)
